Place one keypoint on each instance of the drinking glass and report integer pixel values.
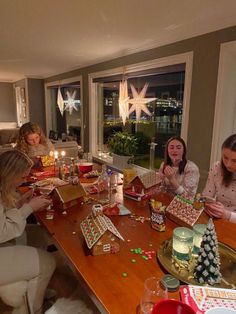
(154, 290)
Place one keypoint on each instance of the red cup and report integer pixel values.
(85, 167)
(173, 307)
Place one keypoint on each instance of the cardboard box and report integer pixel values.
(66, 196)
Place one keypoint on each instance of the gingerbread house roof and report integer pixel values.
(69, 192)
(148, 179)
(94, 227)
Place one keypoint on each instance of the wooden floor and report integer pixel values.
(65, 284)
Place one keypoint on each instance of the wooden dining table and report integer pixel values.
(115, 282)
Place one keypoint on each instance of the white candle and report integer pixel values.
(182, 242)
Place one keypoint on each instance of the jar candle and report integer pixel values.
(182, 243)
(198, 230)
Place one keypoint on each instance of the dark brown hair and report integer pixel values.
(229, 143)
(167, 160)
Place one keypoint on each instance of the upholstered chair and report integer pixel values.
(14, 295)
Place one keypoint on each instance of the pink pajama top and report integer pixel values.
(215, 188)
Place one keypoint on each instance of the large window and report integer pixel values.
(166, 112)
(169, 82)
(65, 120)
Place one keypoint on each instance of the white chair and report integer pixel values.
(14, 295)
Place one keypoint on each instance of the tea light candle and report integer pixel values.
(63, 153)
(198, 230)
(56, 154)
(182, 243)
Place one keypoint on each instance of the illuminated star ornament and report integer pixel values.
(123, 101)
(60, 101)
(70, 103)
(139, 101)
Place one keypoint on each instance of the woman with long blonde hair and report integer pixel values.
(32, 141)
(20, 262)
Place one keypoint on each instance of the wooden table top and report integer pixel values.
(102, 275)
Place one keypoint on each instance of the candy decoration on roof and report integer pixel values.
(139, 101)
(207, 270)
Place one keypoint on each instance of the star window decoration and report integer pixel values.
(60, 101)
(139, 101)
(70, 103)
(123, 101)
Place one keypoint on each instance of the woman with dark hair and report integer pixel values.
(221, 183)
(180, 176)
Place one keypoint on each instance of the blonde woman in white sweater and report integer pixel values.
(18, 262)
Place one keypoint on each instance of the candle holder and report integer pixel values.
(198, 230)
(182, 243)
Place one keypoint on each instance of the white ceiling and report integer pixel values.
(41, 38)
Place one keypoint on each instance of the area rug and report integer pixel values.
(63, 305)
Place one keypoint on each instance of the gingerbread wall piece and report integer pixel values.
(181, 211)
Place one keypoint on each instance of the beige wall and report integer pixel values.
(206, 50)
(7, 103)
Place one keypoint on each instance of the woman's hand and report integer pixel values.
(39, 202)
(26, 197)
(169, 172)
(217, 210)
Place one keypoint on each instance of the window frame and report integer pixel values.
(47, 102)
(186, 58)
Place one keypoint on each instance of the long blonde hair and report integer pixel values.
(12, 164)
(25, 130)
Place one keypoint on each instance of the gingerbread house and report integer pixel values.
(143, 184)
(100, 234)
(67, 196)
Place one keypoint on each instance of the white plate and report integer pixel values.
(220, 310)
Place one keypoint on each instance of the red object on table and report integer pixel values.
(85, 167)
(172, 306)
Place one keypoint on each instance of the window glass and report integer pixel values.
(66, 123)
(165, 119)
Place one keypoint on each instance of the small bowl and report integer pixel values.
(85, 167)
(173, 307)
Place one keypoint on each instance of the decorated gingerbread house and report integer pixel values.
(143, 184)
(100, 234)
(67, 196)
(146, 181)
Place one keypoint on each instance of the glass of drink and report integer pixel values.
(154, 290)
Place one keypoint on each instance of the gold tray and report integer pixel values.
(227, 268)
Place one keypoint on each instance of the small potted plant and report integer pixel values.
(123, 146)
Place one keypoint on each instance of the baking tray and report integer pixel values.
(227, 268)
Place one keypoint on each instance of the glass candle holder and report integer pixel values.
(182, 243)
(198, 230)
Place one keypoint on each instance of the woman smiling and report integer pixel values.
(180, 176)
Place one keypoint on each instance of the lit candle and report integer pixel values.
(198, 230)
(63, 153)
(51, 154)
(55, 154)
(182, 243)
